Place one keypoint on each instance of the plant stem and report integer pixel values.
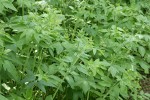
(22, 10)
(110, 90)
(88, 95)
(57, 89)
(0, 83)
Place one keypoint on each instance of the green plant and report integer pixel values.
(70, 50)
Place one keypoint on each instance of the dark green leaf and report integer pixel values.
(11, 69)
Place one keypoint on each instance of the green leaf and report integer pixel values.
(83, 69)
(148, 58)
(49, 97)
(18, 26)
(56, 78)
(85, 86)
(59, 47)
(15, 97)
(123, 91)
(104, 84)
(29, 78)
(1, 8)
(52, 69)
(67, 45)
(92, 84)
(27, 3)
(70, 80)
(113, 70)
(1, 43)
(141, 50)
(20, 43)
(145, 66)
(29, 93)
(9, 5)
(114, 92)
(68, 59)
(29, 33)
(11, 69)
(41, 86)
(2, 97)
(105, 63)
(48, 82)
(94, 51)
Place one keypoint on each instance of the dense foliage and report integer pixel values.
(74, 49)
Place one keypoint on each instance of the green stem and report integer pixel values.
(88, 95)
(110, 90)
(22, 9)
(28, 56)
(57, 89)
(0, 83)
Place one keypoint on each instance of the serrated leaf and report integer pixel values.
(11, 69)
(68, 59)
(82, 69)
(141, 50)
(100, 72)
(113, 70)
(92, 84)
(9, 5)
(105, 63)
(70, 80)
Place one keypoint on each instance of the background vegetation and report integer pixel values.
(74, 49)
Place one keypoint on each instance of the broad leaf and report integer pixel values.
(9, 5)
(2, 97)
(141, 50)
(70, 80)
(85, 86)
(11, 69)
(41, 86)
(113, 70)
(59, 47)
(49, 97)
(145, 66)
